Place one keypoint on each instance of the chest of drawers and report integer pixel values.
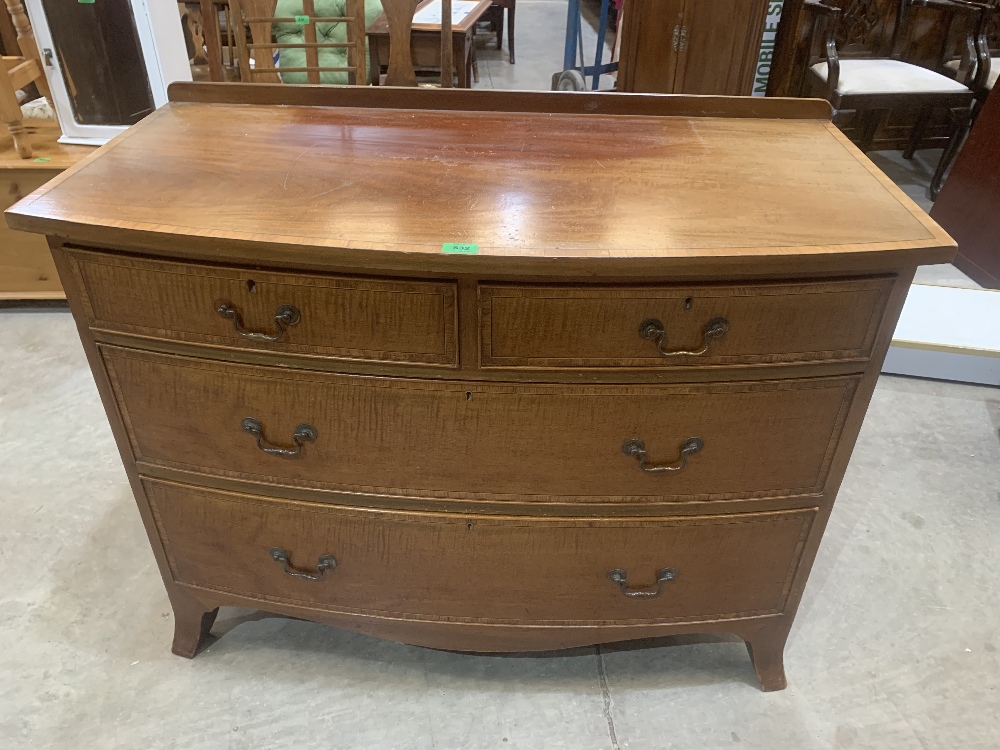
(625, 415)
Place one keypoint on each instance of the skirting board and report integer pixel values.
(948, 333)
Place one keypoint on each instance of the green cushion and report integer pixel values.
(290, 33)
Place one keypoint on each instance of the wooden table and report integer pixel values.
(426, 44)
(485, 370)
(26, 268)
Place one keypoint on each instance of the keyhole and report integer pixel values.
(251, 286)
(468, 526)
(468, 396)
(687, 303)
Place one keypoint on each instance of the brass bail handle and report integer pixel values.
(637, 449)
(284, 316)
(654, 330)
(304, 433)
(620, 578)
(325, 563)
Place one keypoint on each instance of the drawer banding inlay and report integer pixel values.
(480, 440)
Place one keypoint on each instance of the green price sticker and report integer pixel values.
(452, 247)
(300, 20)
(45, 158)
(86, 2)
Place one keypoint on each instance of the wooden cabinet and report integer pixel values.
(625, 414)
(691, 46)
(26, 268)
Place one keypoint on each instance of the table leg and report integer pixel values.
(374, 68)
(510, 30)
(462, 61)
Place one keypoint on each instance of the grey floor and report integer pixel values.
(896, 643)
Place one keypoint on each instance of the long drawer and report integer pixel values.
(432, 566)
(469, 439)
(679, 326)
(319, 315)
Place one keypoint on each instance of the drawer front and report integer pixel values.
(428, 566)
(331, 316)
(534, 442)
(598, 327)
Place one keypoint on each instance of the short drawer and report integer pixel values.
(339, 317)
(465, 439)
(683, 326)
(430, 566)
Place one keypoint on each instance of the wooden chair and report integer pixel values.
(399, 14)
(979, 64)
(259, 16)
(256, 56)
(17, 72)
(861, 67)
(214, 44)
(976, 68)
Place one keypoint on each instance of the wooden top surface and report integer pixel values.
(565, 189)
(380, 26)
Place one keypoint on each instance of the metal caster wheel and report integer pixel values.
(569, 80)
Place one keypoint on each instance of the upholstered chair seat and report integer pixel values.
(888, 77)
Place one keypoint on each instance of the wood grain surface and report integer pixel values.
(385, 436)
(431, 566)
(970, 198)
(599, 326)
(341, 317)
(409, 182)
(26, 268)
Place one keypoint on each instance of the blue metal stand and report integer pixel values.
(574, 43)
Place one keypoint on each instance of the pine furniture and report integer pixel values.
(27, 272)
(17, 72)
(412, 371)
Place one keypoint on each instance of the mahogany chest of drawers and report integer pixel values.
(622, 410)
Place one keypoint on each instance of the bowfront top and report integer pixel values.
(591, 190)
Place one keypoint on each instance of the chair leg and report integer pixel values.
(510, 31)
(10, 115)
(475, 63)
(964, 122)
(918, 132)
(870, 121)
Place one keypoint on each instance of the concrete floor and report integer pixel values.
(895, 646)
